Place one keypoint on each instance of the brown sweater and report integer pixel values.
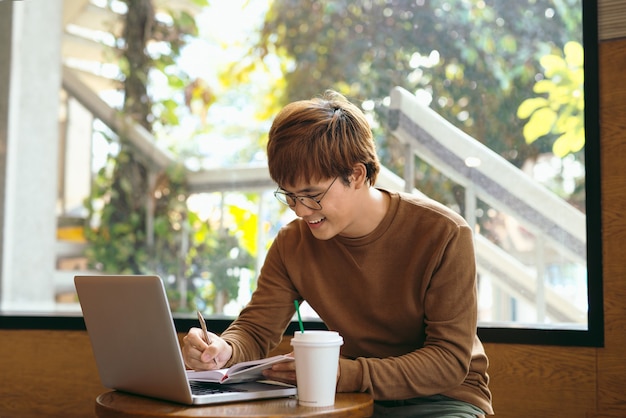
(403, 298)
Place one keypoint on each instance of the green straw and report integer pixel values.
(295, 302)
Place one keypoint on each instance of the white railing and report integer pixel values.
(490, 178)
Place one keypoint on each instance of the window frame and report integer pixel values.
(593, 336)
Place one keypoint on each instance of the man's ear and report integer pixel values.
(359, 175)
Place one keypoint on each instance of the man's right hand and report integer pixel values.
(199, 355)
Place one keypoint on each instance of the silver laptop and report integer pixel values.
(136, 347)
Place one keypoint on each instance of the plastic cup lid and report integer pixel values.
(317, 337)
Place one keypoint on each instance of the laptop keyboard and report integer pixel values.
(206, 388)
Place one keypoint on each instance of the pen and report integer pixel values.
(205, 331)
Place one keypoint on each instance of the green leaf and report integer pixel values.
(544, 86)
(540, 124)
(574, 54)
(529, 106)
(552, 64)
(570, 142)
(247, 224)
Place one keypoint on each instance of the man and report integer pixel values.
(393, 273)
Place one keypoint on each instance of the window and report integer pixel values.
(466, 103)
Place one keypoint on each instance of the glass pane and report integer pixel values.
(479, 105)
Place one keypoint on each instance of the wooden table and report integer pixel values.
(121, 405)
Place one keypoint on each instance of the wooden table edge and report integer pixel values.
(114, 404)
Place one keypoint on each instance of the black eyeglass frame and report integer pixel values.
(291, 199)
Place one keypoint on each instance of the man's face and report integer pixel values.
(335, 216)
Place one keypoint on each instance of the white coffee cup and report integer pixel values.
(317, 360)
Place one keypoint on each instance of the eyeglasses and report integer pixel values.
(311, 202)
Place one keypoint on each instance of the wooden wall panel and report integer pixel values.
(541, 381)
(47, 374)
(612, 359)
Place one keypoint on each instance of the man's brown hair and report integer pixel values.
(318, 139)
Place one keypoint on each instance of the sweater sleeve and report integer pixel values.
(450, 315)
(260, 325)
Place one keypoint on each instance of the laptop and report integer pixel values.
(136, 347)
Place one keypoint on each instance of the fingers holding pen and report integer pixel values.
(192, 349)
(207, 338)
(199, 355)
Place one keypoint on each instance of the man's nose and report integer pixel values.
(301, 210)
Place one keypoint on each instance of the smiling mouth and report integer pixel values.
(316, 221)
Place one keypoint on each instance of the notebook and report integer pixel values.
(136, 347)
(240, 372)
